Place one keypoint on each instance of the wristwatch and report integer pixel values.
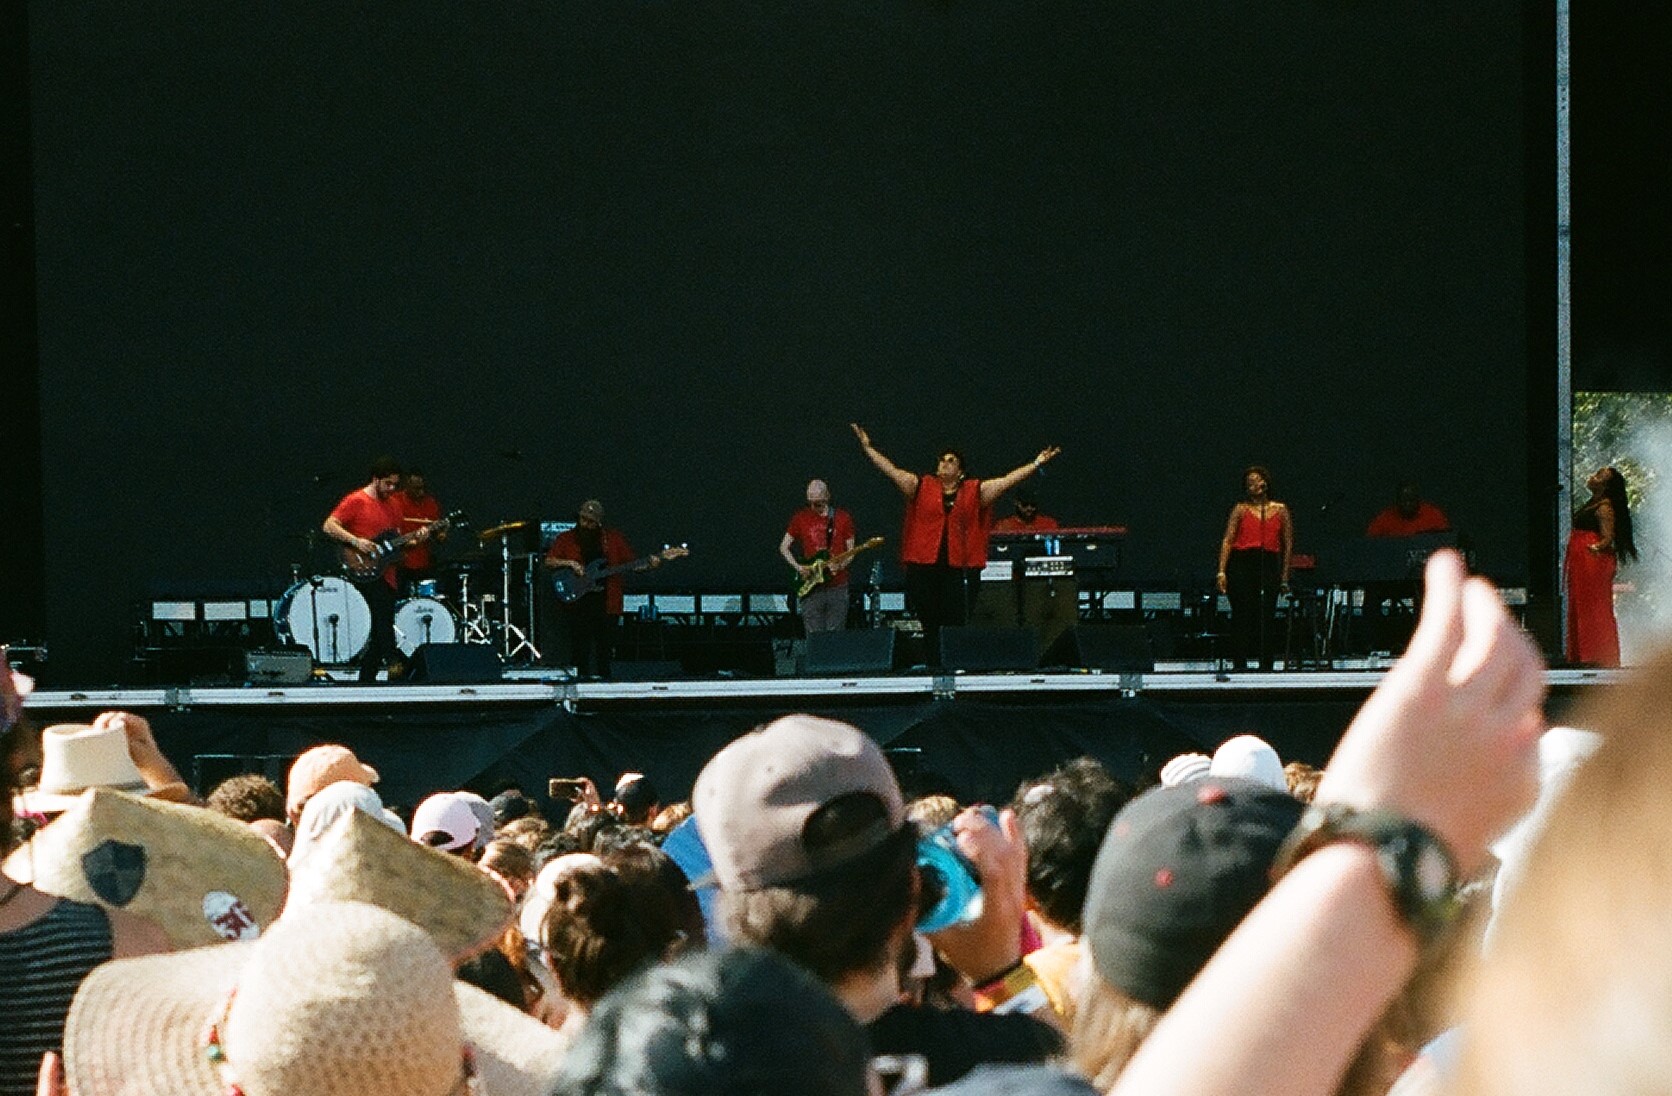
(1418, 871)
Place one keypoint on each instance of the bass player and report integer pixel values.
(822, 532)
(363, 515)
(585, 622)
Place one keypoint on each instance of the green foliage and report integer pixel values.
(1606, 426)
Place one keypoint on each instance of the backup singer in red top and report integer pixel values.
(944, 542)
(1254, 560)
(1601, 535)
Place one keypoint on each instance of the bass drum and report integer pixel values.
(421, 620)
(328, 616)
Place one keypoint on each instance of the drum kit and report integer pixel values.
(486, 597)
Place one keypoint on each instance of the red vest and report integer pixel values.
(966, 526)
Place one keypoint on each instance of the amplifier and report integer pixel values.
(278, 666)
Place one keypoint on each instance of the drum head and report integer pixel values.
(328, 616)
(421, 620)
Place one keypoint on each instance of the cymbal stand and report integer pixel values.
(473, 617)
(508, 629)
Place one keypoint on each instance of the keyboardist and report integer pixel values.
(1027, 518)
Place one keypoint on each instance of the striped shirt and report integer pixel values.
(41, 965)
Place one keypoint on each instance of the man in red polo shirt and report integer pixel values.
(363, 515)
(820, 527)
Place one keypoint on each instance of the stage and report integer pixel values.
(974, 734)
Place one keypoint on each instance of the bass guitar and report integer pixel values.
(366, 566)
(823, 565)
(571, 585)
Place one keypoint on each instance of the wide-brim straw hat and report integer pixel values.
(359, 859)
(199, 876)
(339, 998)
(78, 756)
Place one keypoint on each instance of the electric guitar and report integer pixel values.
(366, 566)
(823, 565)
(571, 586)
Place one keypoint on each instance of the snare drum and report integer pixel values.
(421, 620)
(328, 616)
(426, 587)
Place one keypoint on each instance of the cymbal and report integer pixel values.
(500, 530)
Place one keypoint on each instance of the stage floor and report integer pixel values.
(524, 687)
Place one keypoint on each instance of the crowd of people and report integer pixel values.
(1460, 901)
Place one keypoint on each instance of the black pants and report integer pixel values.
(940, 596)
(380, 647)
(1252, 578)
(586, 634)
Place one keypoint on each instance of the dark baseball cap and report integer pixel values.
(1178, 870)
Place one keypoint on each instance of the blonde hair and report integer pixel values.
(1107, 1028)
(1576, 992)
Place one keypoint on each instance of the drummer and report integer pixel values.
(419, 510)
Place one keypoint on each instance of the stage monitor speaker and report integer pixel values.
(1124, 648)
(989, 648)
(454, 664)
(646, 669)
(278, 666)
(862, 651)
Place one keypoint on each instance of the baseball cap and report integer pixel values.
(1178, 870)
(319, 768)
(445, 821)
(754, 800)
(593, 509)
(1251, 758)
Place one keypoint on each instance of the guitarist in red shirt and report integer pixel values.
(820, 528)
(363, 515)
(586, 620)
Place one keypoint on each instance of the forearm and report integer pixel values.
(993, 488)
(1327, 952)
(338, 532)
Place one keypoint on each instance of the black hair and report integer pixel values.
(1615, 492)
(1063, 816)
(735, 1021)
(949, 451)
(384, 467)
(1265, 474)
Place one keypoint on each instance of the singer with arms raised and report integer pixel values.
(944, 541)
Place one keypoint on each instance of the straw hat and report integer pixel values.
(199, 876)
(359, 859)
(341, 997)
(78, 756)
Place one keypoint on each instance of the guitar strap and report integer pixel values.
(830, 531)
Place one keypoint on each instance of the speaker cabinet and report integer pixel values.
(454, 664)
(989, 648)
(867, 651)
(1121, 647)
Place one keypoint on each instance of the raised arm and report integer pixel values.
(993, 488)
(904, 480)
(1448, 740)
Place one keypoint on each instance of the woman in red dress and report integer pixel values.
(1601, 535)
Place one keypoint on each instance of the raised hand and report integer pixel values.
(1449, 738)
(859, 432)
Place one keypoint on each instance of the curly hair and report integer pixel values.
(248, 797)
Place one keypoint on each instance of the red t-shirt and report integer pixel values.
(367, 517)
(811, 534)
(617, 551)
(1390, 523)
(1042, 523)
(415, 514)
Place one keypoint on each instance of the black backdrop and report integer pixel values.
(661, 252)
